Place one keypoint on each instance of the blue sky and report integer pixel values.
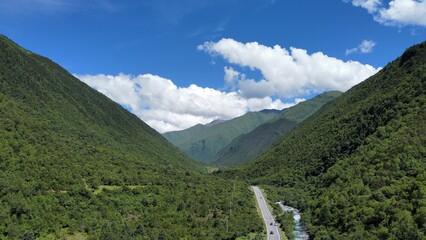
(176, 63)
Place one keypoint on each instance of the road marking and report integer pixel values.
(267, 216)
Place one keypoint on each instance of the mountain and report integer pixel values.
(202, 142)
(304, 109)
(214, 122)
(43, 96)
(270, 111)
(357, 167)
(76, 165)
(246, 147)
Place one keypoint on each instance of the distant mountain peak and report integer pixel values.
(214, 122)
(246, 147)
(203, 142)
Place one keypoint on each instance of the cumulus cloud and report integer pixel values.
(231, 77)
(167, 107)
(370, 5)
(288, 73)
(250, 88)
(396, 12)
(365, 46)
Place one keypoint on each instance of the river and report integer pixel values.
(299, 230)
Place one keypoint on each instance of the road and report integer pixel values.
(267, 216)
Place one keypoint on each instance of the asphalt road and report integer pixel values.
(267, 216)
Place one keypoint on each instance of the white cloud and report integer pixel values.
(366, 46)
(231, 77)
(350, 51)
(370, 5)
(299, 100)
(397, 12)
(405, 12)
(166, 107)
(250, 88)
(288, 74)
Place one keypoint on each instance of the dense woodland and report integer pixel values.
(203, 142)
(357, 167)
(74, 163)
(246, 147)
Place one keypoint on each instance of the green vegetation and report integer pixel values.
(101, 188)
(72, 161)
(357, 167)
(246, 147)
(202, 142)
(74, 164)
(286, 221)
(303, 110)
(253, 236)
(286, 224)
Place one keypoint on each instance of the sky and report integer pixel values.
(177, 63)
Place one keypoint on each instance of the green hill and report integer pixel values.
(202, 142)
(303, 110)
(74, 164)
(246, 147)
(357, 167)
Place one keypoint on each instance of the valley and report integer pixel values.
(76, 165)
(272, 230)
(356, 167)
(240, 140)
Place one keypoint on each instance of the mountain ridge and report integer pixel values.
(356, 168)
(202, 142)
(246, 147)
(76, 165)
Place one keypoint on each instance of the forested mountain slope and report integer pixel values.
(202, 142)
(357, 167)
(75, 164)
(246, 147)
(303, 110)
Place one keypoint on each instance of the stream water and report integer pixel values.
(299, 230)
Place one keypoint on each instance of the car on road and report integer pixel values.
(272, 232)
